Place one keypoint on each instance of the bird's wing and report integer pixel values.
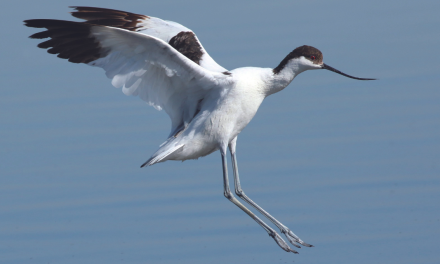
(142, 65)
(179, 37)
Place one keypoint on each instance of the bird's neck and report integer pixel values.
(283, 75)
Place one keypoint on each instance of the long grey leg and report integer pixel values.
(284, 229)
(228, 194)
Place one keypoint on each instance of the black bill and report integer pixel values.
(325, 66)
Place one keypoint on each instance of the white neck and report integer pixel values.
(284, 77)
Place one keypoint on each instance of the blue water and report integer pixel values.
(351, 167)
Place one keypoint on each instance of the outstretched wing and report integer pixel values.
(142, 65)
(179, 37)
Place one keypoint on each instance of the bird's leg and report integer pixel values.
(228, 194)
(284, 229)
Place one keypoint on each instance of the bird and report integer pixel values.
(164, 63)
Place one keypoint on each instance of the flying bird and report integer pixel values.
(164, 64)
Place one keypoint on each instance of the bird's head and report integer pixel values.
(308, 58)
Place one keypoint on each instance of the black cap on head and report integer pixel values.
(309, 52)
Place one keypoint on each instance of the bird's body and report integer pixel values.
(165, 64)
(224, 113)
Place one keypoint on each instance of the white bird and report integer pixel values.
(164, 64)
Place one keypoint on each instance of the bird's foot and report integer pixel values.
(294, 239)
(281, 242)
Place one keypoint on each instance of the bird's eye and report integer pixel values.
(312, 57)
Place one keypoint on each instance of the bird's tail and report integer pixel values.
(164, 151)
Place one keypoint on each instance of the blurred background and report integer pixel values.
(351, 167)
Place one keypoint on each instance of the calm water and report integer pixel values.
(351, 167)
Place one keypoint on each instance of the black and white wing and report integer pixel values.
(143, 65)
(179, 37)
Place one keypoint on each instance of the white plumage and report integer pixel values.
(165, 64)
(150, 68)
